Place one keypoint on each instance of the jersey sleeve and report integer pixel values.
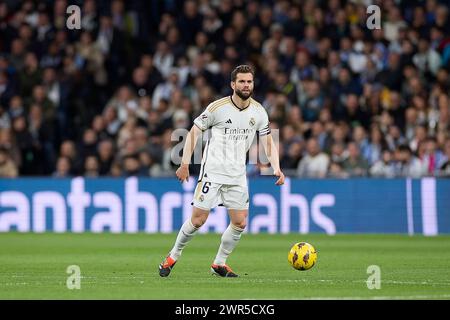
(205, 120)
(264, 127)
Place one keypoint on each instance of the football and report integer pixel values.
(302, 256)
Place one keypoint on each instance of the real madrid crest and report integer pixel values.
(201, 198)
(252, 121)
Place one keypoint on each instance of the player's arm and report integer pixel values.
(189, 146)
(272, 154)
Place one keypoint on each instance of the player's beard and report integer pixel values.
(244, 95)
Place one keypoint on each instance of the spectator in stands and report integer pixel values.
(91, 58)
(353, 114)
(433, 158)
(445, 166)
(385, 167)
(318, 132)
(394, 137)
(359, 135)
(338, 153)
(420, 134)
(315, 163)
(7, 167)
(148, 165)
(164, 90)
(91, 167)
(408, 165)
(105, 156)
(69, 153)
(131, 166)
(116, 169)
(427, 59)
(318, 70)
(30, 75)
(377, 143)
(63, 168)
(355, 164)
(443, 113)
(40, 98)
(43, 134)
(412, 121)
(314, 101)
(336, 170)
(291, 157)
(125, 103)
(338, 135)
(5, 121)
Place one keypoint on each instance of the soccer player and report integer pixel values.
(233, 120)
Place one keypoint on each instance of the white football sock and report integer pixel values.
(230, 239)
(185, 234)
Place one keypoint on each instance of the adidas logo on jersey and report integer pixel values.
(229, 121)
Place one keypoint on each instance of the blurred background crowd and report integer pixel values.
(104, 100)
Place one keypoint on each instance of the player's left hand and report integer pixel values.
(280, 176)
(183, 173)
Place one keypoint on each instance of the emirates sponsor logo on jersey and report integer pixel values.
(238, 131)
(238, 134)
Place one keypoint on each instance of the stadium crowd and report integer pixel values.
(104, 100)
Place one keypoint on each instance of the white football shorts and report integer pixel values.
(208, 195)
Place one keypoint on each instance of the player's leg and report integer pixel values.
(186, 233)
(205, 198)
(236, 200)
(188, 230)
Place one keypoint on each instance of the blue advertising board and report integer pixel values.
(405, 206)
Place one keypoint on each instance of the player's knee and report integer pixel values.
(198, 221)
(241, 224)
(199, 217)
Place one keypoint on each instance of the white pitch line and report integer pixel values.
(103, 279)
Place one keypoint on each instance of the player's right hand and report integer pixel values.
(183, 172)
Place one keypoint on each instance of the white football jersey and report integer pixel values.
(232, 133)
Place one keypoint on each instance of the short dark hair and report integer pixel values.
(404, 148)
(241, 69)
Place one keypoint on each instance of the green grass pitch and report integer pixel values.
(124, 266)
